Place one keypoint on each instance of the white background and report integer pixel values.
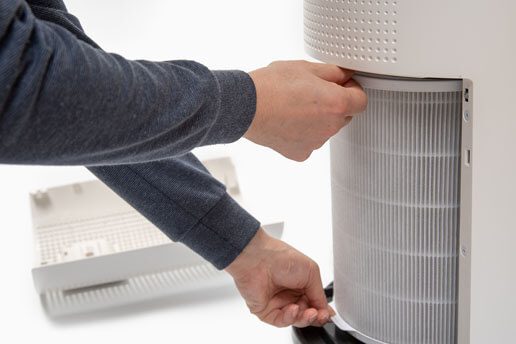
(224, 34)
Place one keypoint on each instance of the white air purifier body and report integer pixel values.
(423, 183)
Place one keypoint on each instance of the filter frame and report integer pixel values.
(401, 84)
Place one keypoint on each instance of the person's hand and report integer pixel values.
(280, 285)
(300, 105)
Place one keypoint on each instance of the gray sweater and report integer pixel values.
(64, 101)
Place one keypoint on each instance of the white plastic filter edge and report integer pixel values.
(385, 83)
(343, 325)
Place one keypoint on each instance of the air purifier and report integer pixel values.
(423, 182)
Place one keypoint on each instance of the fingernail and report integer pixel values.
(332, 312)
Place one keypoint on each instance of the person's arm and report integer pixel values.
(280, 285)
(65, 102)
(186, 203)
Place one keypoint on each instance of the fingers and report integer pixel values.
(323, 316)
(331, 73)
(291, 315)
(297, 313)
(306, 318)
(357, 98)
(348, 99)
(283, 317)
(287, 315)
(314, 290)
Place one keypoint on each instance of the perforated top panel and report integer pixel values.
(353, 29)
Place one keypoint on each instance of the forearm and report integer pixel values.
(63, 101)
(185, 202)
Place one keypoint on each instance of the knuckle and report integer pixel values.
(255, 310)
(336, 126)
(333, 127)
(319, 144)
(315, 267)
(294, 157)
(303, 156)
(321, 141)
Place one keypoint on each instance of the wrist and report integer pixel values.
(256, 126)
(252, 255)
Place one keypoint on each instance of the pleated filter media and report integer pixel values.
(396, 194)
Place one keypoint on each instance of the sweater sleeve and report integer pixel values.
(183, 200)
(66, 102)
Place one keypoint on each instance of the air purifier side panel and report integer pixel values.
(493, 207)
(464, 292)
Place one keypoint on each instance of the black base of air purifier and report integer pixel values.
(328, 334)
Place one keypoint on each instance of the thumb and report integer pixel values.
(314, 289)
(331, 73)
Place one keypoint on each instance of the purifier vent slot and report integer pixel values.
(395, 185)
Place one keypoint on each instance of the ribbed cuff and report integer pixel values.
(237, 106)
(223, 233)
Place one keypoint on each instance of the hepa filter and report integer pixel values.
(396, 194)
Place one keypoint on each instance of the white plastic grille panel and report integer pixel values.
(127, 231)
(395, 187)
(134, 290)
(363, 30)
